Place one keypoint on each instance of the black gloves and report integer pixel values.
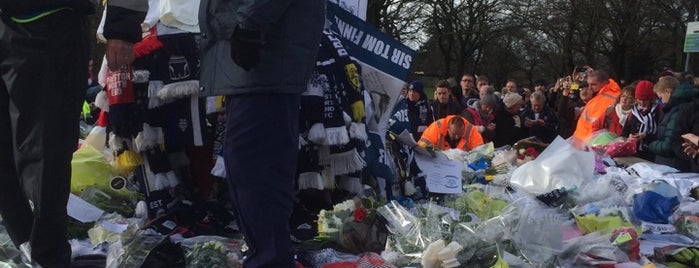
(245, 47)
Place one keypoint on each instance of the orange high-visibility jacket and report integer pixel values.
(595, 109)
(435, 135)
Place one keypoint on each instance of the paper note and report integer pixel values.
(83, 211)
(442, 174)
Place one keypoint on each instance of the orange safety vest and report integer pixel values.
(595, 109)
(436, 133)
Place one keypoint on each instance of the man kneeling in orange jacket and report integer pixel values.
(451, 132)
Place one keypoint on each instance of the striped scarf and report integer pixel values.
(645, 119)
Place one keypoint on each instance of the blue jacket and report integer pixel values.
(291, 30)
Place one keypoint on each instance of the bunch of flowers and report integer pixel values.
(330, 221)
(354, 225)
(528, 154)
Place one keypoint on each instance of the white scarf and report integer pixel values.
(622, 114)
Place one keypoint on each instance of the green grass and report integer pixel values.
(429, 91)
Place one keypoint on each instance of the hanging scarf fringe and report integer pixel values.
(336, 135)
(311, 180)
(179, 89)
(317, 134)
(141, 76)
(153, 88)
(346, 162)
(148, 138)
(358, 131)
(350, 184)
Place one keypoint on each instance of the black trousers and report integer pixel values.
(260, 152)
(43, 65)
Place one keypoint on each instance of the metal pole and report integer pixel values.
(686, 63)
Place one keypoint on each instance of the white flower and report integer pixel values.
(347, 205)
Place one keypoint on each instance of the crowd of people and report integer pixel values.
(654, 114)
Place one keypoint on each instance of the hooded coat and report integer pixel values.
(668, 146)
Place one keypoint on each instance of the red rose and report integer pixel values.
(532, 152)
(360, 214)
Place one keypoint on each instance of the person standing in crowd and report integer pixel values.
(510, 86)
(508, 124)
(539, 120)
(617, 116)
(39, 117)
(443, 104)
(420, 114)
(482, 117)
(249, 54)
(644, 118)
(468, 88)
(604, 92)
(451, 132)
(569, 106)
(482, 80)
(668, 146)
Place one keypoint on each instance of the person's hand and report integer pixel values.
(566, 92)
(690, 149)
(119, 54)
(245, 48)
(638, 136)
(491, 126)
(528, 123)
(480, 129)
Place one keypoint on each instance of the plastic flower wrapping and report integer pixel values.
(330, 222)
(212, 251)
(354, 225)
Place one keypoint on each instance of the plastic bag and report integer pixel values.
(9, 255)
(90, 168)
(621, 147)
(366, 236)
(479, 203)
(408, 235)
(559, 166)
(486, 150)
(601, 138)
(657, 203)
(538, 233)
(132, 251)
(212, 251)
(127, 162)
(589, 250)
(97, 138)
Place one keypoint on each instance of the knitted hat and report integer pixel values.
(511, 99)
(417, 86)
(644, 90)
